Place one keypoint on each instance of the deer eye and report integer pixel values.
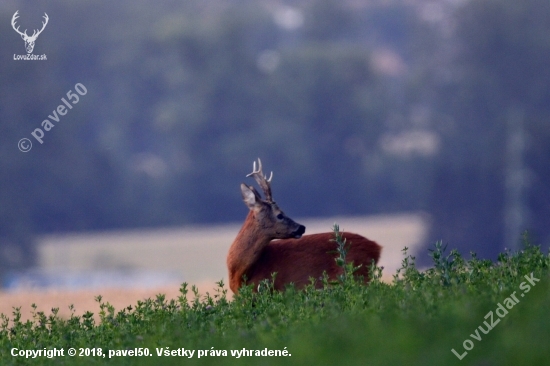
(280, 216)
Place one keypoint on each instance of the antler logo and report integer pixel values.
(29, 41)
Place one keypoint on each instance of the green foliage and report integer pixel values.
(417, 319)
(342, 251)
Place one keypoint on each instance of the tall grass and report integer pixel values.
(416, 319)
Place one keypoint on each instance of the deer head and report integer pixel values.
(29, 40)
(271, 220)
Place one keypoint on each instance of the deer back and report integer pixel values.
(298, 260)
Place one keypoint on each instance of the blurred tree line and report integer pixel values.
(358, 108)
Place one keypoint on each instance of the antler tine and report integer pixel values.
(14, 20)
(46, 18)
(259, 171)
(262, 180)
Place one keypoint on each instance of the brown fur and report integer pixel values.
(294, 260)
(309, 257)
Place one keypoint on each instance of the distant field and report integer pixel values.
(167, 257)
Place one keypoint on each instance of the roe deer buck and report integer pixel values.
(294, 258)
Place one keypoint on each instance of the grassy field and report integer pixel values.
(459, 311)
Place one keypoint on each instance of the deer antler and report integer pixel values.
(24, 34)
(13, 20)
(46, 18)
(262, 180)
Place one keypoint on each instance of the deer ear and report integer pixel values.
(250, 196)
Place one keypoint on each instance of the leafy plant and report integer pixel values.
(415, 319)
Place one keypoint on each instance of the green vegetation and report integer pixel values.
(417, 319)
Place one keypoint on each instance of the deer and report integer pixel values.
(271, 242)
(29, 41)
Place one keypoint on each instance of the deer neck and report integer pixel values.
(245, 250)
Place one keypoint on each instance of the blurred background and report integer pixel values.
(359, 107)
